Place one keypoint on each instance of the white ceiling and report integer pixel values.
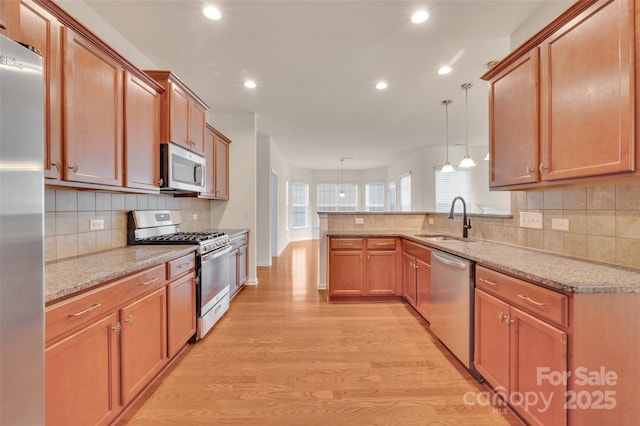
(316, 64)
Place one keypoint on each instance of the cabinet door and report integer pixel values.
(144, 344)
(491, 354)
(92, 111)
(179, 113)
(536, 345)
(233, 272)
(221, 169)
(181, 313)
(82, 373)
(3, 16)
(588, 73)
(423, 289)
(346, 273)
(381, 273)
(196, 127)
(409, 278)
(142, 138)
(40, 29)
(242, 266)
(513, 123)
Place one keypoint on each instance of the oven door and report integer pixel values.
(213, 289)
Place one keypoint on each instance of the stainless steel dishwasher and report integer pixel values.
(452, 304)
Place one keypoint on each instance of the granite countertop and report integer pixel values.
(68, 276)
(232, 233)
(550, 270)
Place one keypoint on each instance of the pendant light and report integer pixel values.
(447, 168)
(467, 161)
(341, 194)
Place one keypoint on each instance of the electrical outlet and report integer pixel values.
(430, 221)
(246, 214)
(359, 221)
(96, 224)
(195, 216)
(531, 220)
(560, 224)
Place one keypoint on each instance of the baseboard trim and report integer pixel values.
(322, 286)
(252, 282)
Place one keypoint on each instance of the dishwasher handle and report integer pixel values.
(458, 265)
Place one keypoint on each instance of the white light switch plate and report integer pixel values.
(195, 216)
(359, 221)
(560, 224)
(531, 220)
(96, 224)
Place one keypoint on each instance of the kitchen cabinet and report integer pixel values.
(40, 29)
(182, 113)
(416, 278)
(92, 112)
(143, 342)
(181, 303)
(366, 267)
(238, 263)
(83, 373)
(142, 135)
(217, 155)
(516, 335)
(3, 16)
(574, 81)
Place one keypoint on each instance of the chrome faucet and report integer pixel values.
(466, 223)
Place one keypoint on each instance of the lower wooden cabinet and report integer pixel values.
(181, 309)
(416, 277)
(409, 285)
(516, 351)
(82, 375)
(238, 263)
(363, 267)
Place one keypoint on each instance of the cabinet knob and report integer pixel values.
(542, 168)
(508, 320)
(74, 167)
(130, 320)
(528, 170)
(501, 316)
(57, 164)
(160, 181)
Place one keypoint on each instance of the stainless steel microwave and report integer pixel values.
(181, 170)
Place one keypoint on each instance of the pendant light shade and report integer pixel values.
(467, 161)
(447, 168)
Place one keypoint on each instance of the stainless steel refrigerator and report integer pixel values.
(21, 236)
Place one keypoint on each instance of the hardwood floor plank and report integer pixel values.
(284, 356)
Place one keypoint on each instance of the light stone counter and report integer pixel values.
(546, 269)
(68, 276)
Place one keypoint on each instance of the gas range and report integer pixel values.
(163, 227)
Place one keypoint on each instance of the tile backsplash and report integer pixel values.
(68, 212)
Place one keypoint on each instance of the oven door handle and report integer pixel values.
(216, 254)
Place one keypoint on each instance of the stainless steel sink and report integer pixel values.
(438, 237)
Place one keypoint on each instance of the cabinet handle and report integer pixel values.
(153, 280)
(381, 244)
(160, 181)
(530, 300)
(528, 170)
(484, 280)
(501, 317)
(508, 320)
(57, 164)
(117, 328)
(86, 311)
(181, 266)
(74, 167)
(369, 257)
(130, 319)
(347, 244)
(542, 168)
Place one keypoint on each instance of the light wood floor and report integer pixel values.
(283, 356)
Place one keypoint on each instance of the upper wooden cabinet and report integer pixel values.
(182, 111)
(41, 29)
(3, 16)
(216, 151)
(92, 111)
(142, 133)
(574, 82)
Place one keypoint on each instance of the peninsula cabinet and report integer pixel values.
(183, 113)
(92, 112)
(41, 29)
(416, 277)
(575, 82)
(217, 155)
(367, 267)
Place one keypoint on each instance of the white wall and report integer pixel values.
(241, 210)
(547, 13)
(263, 201)
(280, 165)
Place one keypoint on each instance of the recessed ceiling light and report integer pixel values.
(381, 85)
(419, 17)
(444, 70)
(212, 13)
(250, 84)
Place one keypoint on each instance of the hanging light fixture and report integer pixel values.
(467, 161)
(447, 168)
(341, 194)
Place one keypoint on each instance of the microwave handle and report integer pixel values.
(198, 173)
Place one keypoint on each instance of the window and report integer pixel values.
(451, 185)
(405, 192)
(300, 203)
(286, 203)
(329, 199)
(391, 195)
(374, 197)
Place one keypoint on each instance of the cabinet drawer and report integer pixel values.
(181, 266)
(346, 243)
(239, 241)
(545, 303)
(421, 252)
(381, 243)
(62, 317)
